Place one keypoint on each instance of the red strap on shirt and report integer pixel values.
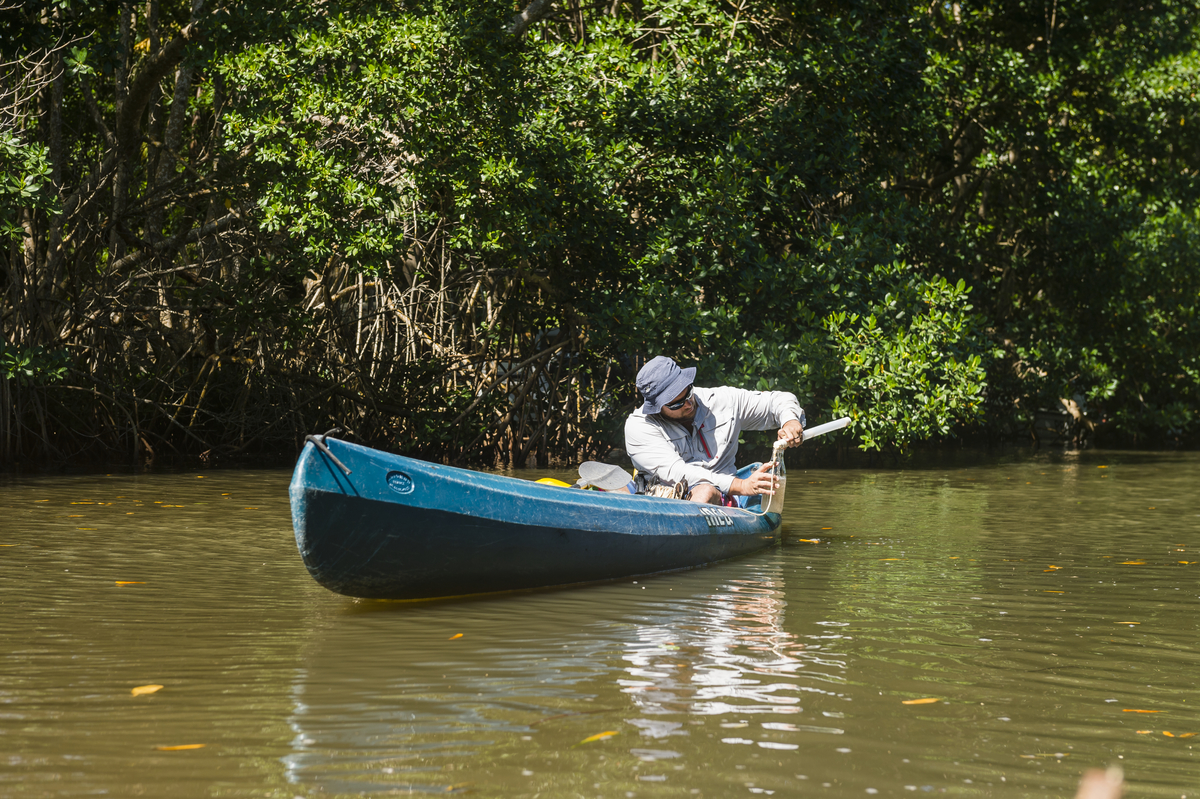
(700, 433)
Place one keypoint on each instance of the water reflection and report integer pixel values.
(414, 703)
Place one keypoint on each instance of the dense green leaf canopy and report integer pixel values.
(465, 229)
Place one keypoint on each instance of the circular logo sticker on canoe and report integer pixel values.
(400, 482)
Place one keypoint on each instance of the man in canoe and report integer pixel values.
(686, 432)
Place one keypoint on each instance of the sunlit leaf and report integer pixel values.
(1186, 735)
(891, 558)
(179, 748)
(1144, 732)
(810, 540)
(600, 736)
(1053, 592)
(929, 700)
(1133, 563)
(1126, 622)
(130, 582)
(1134, 710)
(1168, 734)
(142, 690)
(456, 635)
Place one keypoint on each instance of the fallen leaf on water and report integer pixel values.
(826, 528)
(1052, 568)
(74, 515)
(1126, 622)
(249, 508)
(1168, 734)
(1187, 562)
(929, 700)
(179, 748)
(1133, 563)
(1186, 735)
(1143, 732)
(1132, 710)
(811, 540)
(600, 736)
(456, 635)
(130, 582)
(1054, 592)
(890, 558)
(141, 690)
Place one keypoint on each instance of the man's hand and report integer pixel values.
(792, 432)
(762, 481)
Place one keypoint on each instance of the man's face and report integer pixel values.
(684, 413)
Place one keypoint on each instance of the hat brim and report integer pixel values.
(686, 378)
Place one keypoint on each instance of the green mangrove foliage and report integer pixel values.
(457, 229)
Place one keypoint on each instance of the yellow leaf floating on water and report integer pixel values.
(811, 540)
(130, 582)
(456, 635)
(1186, 735)
(1133, 710)
(179, 748)
(1126, 622)
(142, 690)
(1133, 563)
(1054, 592)
(890, 558)
(1143, 732)
(600, 736)
(929, 700)
(1168, 734)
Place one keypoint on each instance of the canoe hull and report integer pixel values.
(399, 528)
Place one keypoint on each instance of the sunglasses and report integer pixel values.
(679, 403)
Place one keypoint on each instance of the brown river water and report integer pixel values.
(1045, 606)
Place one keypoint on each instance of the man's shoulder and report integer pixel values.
(637, 420)
(719, 396)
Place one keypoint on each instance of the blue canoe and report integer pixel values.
(381, 526)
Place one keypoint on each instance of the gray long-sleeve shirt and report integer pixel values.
(705, 451)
